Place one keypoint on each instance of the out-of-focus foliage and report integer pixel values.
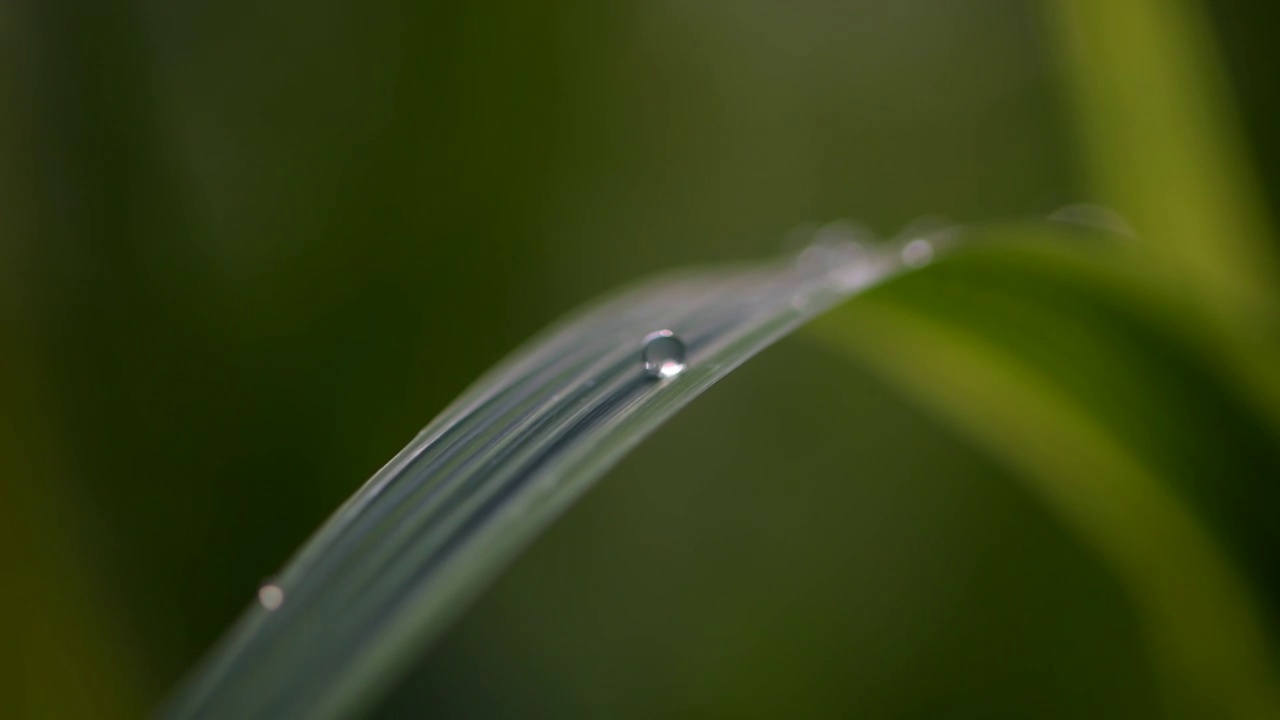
(1133, 387)
(1162, 145)
(1103, 400)
(247, 249)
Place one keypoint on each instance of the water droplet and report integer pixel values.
(271, 596)
(851, 266)
(814, 261)
(831, 248)
(917, 253)
(663, 354)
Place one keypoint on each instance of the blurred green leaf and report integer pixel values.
(65, 654)
(1106, 397)
(1162, 145)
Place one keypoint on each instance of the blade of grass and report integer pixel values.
(402, 557)
(1090, 390)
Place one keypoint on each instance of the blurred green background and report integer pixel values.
(248, 249)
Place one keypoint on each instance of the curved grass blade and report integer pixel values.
(1111, 403)
(400, 559)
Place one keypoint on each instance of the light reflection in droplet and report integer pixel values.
(271, 596)
(814, 261)
(663, 354)
(831, 249)
(852, 266)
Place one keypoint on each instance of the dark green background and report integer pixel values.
(247, 249)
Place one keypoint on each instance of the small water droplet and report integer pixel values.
(852, 266)
(917, 253)
(271, 596)
(663, 354)
(831, 248)
(813, 261)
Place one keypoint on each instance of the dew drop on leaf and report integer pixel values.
(271, 596)
(917, 253)
(663, 354)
